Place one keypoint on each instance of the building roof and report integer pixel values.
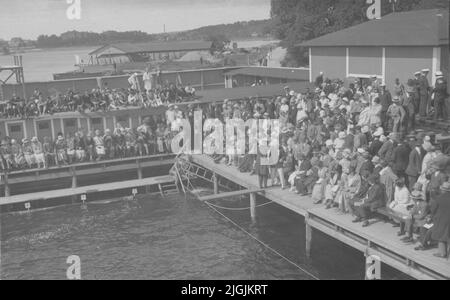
(130, 48)
(264, 91)
(284, 73)
(413, 28)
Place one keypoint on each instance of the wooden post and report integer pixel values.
(253, 206)
(308, 236)
(139, 169)
(216, 184)
(74, 178)
(7, 190)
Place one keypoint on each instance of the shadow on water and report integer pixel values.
(170, 238)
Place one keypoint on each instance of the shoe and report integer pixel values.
(366, 224)
(408, 240)
(439, 255)
(401, 233)
(420, 248)
(357, 220)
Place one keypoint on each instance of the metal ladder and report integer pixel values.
(1, 93)
(168, 188)
(186, 171)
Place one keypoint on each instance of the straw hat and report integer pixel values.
(417, 196)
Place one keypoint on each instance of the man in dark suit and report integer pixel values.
(401, 158)
(424, 89)
(414, 165)
(440, 97)
(375, 145)
(387, 149)
(375, 199)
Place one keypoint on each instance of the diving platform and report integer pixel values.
(86, 190)
(379, 240)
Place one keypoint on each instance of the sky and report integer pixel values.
(30, 18)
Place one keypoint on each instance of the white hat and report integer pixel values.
(417, 73)
(379, 132)
(439, 74)
(425, 70)
(292, 93)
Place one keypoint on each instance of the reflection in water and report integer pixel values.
(169, 238)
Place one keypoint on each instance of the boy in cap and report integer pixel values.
(419, 212)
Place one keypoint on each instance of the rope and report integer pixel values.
(237, 209)
(264, 244)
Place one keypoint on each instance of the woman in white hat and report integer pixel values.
(38, 152)
(28, 153)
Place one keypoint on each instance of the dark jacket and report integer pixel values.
(374, 147)
(441, 212)
(401, 157)
(415, 163)
(376, 196)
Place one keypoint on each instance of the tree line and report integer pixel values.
(295, 21)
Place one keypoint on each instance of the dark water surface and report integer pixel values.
(169, 238)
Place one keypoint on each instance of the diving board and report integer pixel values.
(231, 194)
(106, 187)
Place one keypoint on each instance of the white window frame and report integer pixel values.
(24, 127)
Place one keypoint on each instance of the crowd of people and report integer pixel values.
(356, 149)
(153, 137)
(98, 99)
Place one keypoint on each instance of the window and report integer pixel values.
(44, 125)
(15, 128)
(70, 123)
(97, 121)
(122, 119)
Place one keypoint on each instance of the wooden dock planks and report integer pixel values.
(86, 190)
(380, 238)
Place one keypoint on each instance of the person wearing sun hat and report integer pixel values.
(375, 199)
(440, 211)
(396, 115)
(418, 213)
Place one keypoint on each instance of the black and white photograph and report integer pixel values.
(224, 147)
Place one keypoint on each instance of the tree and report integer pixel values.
(295, 21)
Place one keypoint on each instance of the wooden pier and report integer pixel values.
(378, 240)
(86, 190)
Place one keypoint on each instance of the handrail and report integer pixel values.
(93, 164)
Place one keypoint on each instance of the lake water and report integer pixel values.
(40, 65)
(170, 238)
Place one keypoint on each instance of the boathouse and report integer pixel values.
(396, 46)
(138, 52)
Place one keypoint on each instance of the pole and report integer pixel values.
(216, 184)
(253, 206)
(308, 236)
